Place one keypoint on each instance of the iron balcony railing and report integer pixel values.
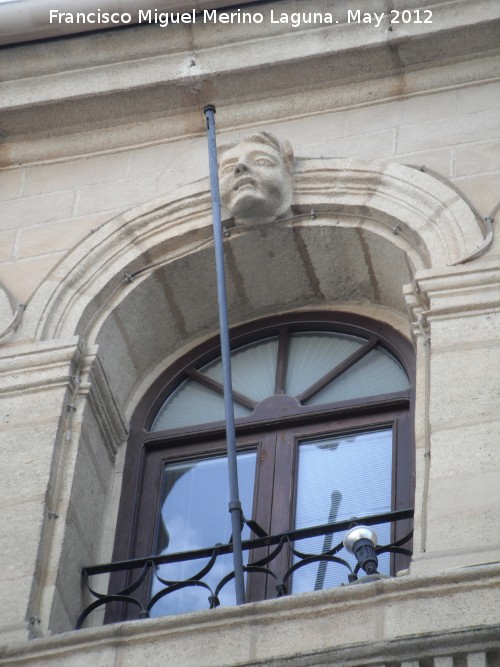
(139, 592)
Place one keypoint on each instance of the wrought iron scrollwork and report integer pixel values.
(139, 594)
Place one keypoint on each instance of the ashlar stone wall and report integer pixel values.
(48, 207)
(64, 409)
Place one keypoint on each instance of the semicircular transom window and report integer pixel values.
(315, 368)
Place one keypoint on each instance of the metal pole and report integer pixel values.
(234, 497)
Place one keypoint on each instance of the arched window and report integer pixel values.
(322, 406)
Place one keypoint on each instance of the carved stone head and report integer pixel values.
(256, 177)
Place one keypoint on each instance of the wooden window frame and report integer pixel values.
(147, 451)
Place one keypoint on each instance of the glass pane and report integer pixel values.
(190, 404)
(376, 373)
(340, 478)
(253, 369)
(194, 514)
(311, 355)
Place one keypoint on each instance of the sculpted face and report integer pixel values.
(256, 183)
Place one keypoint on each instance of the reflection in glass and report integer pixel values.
(340, 478)
(194, 514)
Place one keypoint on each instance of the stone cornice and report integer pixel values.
(72, 88)
(454, 292)
(35, 366)
(413, 624)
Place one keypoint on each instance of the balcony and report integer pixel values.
(146, 584)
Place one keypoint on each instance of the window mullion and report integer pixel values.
(218, 388)
(281, 365)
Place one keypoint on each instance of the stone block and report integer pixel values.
(477, 660)
(20, 533)
(437, 610)
(7, 240)
(11, 183)
(33, 210)
(464, 515)
(169, 179)
(76, 554)
(470, 448)
(94, 438)
(387, 285)
(483, 190)
(6, 310)
(192, 286)
(59, 618)
(14, 594)
(109, 532)
(280, 277)
(438, 159)
(460, 129)
(310, 130)
(172, 156)
(416, 109)
(465, 332)
(463, 387)
(119, 194)
(71, 174)
(443, 661)
(29, 409)
(372, 146)
(336, 257)
(89, 497)
(55, 237)
(26, 459)
(149, 345)
(478, 98)
(477, 157)
(22, 277)
(117, 363)
(191, 174)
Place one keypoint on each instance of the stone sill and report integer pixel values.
(356, 619)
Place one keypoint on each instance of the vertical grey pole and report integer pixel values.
(234, 497)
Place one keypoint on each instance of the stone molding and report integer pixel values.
(453, 293)
(414, 211)
(38, 366)
(82, 86)
(101, 402)
(392, 620)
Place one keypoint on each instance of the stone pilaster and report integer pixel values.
(458, 461)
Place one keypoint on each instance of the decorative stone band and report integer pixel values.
(401, 622)
(410, 211)
(35, 366)
(174, 81)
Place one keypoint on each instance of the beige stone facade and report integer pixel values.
(106, 260)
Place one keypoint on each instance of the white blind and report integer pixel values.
(253, 369)
(340, 478)
(192, 403)
(311, 355)
(376, 373)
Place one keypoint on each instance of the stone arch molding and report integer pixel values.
(408, 210)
